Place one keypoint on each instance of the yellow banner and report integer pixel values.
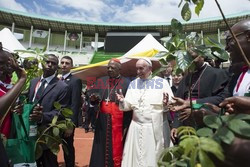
(149, 53)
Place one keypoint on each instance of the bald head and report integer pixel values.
(114, 68)
(241, 26)
(242, 32)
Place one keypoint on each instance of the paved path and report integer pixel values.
(83, 146)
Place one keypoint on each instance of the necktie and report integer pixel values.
(40, 90)
(168, 79)
(244, 70)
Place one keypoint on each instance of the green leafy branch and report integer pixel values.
(186, 11)
(37, 52)
(51, 135)
(181, 44)
(197, 148)
(33, 70)
(226, 127)
(192, 151)
(187, 14)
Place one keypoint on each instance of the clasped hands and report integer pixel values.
(37, 114)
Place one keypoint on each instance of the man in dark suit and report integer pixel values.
(46, 90)
(91, 107)
(207, 85)
(75, 87)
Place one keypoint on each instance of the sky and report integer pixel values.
(122, 11)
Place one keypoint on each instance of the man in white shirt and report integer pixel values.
(147, 136)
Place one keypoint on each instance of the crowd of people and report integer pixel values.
(43, 91)
(133, 121)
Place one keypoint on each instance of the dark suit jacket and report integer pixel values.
(212, 85)
(75, 88)
(55, 91)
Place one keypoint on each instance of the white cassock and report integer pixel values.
(148, 132)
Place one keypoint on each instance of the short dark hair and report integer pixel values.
(69, 58)
(52, 55)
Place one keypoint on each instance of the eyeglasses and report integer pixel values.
(230, 38)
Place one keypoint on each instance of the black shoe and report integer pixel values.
(86, 130)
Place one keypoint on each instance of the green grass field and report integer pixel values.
(101, 56)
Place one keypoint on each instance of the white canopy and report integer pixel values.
(147, 47)
(9, 41)
(147, 43)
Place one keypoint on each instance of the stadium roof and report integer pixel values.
(25, 20)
